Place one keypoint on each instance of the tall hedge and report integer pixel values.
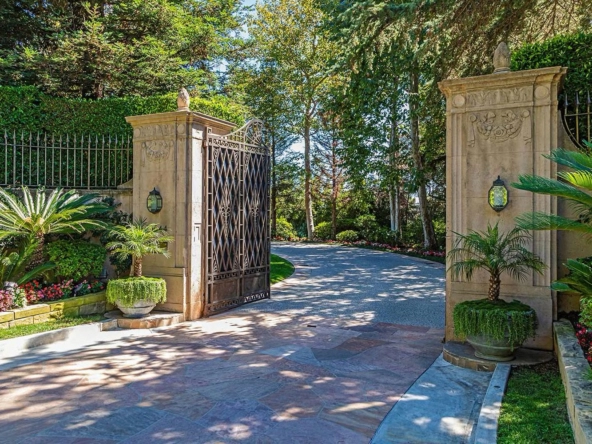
(573, 51)
(27, 109)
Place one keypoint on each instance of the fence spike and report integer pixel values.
(588, 101)
(577, 99)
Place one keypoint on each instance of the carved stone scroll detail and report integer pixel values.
(158, 149)
(507, 126)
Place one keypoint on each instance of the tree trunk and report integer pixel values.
(334, 188)
(38, 257)
(307, 181)
(494, 287)
(138, 267)
(273, 187)
(429, 235)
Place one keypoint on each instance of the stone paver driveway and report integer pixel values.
(254, 375)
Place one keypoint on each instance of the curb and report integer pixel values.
(14, 346)
(487, 424)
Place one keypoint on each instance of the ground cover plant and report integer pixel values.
(51, 324)
(280, 268)
(533, 409)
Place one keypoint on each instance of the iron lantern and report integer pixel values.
(154, 201)
(498, 195)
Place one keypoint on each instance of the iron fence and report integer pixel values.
(576, 111)
(51, 161)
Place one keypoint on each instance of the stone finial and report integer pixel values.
(183, 100)
(501, 58)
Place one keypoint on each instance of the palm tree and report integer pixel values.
(495, 252)
(33, 217)
(575, 186)
(138, 239)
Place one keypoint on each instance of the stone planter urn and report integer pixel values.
(140, 308)
(487, 347)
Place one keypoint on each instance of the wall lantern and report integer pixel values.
(498, 195)
(154, 201)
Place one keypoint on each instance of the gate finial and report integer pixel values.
(501, 58)
(183, 100)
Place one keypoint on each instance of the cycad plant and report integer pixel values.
(13, 265)
(495, 252)
(138, 239)
(579, 280)
(31, 217)
(574, 186)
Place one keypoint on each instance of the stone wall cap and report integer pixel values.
(501, 79)
(174, 116)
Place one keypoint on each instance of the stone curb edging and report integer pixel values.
(487, 424)
(578, 389)
(14, 346)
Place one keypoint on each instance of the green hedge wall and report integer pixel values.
(573, 51)
(27, 109)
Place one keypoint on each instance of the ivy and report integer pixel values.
(498, 319)
(128, 291)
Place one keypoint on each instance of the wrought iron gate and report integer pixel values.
(237, 243)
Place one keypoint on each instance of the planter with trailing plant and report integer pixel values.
(137, 295)
(495, 328)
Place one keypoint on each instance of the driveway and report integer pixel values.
(322, 362)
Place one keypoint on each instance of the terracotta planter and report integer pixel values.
(140, 309)
(492, 349)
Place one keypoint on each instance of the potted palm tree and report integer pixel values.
(494, 327)
(137, 295)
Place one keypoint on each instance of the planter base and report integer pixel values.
(462, 355)
(153, 320)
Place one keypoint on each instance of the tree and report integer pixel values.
(495, 252)
(290, 35)
(138, 239)
(113, 48)
(33, 217)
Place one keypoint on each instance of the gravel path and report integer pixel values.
(355, 283)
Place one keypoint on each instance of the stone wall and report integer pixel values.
(35, 314)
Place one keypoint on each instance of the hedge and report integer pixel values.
(27, 109)
(573, 51)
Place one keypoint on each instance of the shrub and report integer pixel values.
(284, 229)
(27, 109)
(367, 225)
(323, 231)
(347, 236)
(128, 291)
(497, 319)
(573, 51)
(76, 260)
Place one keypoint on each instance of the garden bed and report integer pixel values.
(94, 303)
(575, 373)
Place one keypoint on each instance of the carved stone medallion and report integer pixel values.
(158, 149)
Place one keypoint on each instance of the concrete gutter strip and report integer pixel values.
(578, 388)
(14, 346)
(487, 424)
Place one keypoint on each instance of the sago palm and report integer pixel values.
(138, 239)
(14, 264)
(32, 217)
(574, 186)
(495, 252)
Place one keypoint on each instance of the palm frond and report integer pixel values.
(544, 221)
(572, 159)
(552, 187)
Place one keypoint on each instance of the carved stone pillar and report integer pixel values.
(502, 124)
(168, 156)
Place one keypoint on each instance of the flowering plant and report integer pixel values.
(584, 336)
(5, 300)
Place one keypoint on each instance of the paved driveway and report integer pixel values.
(322, 363)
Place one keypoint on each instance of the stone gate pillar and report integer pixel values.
(168, 156)
(501, 125)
